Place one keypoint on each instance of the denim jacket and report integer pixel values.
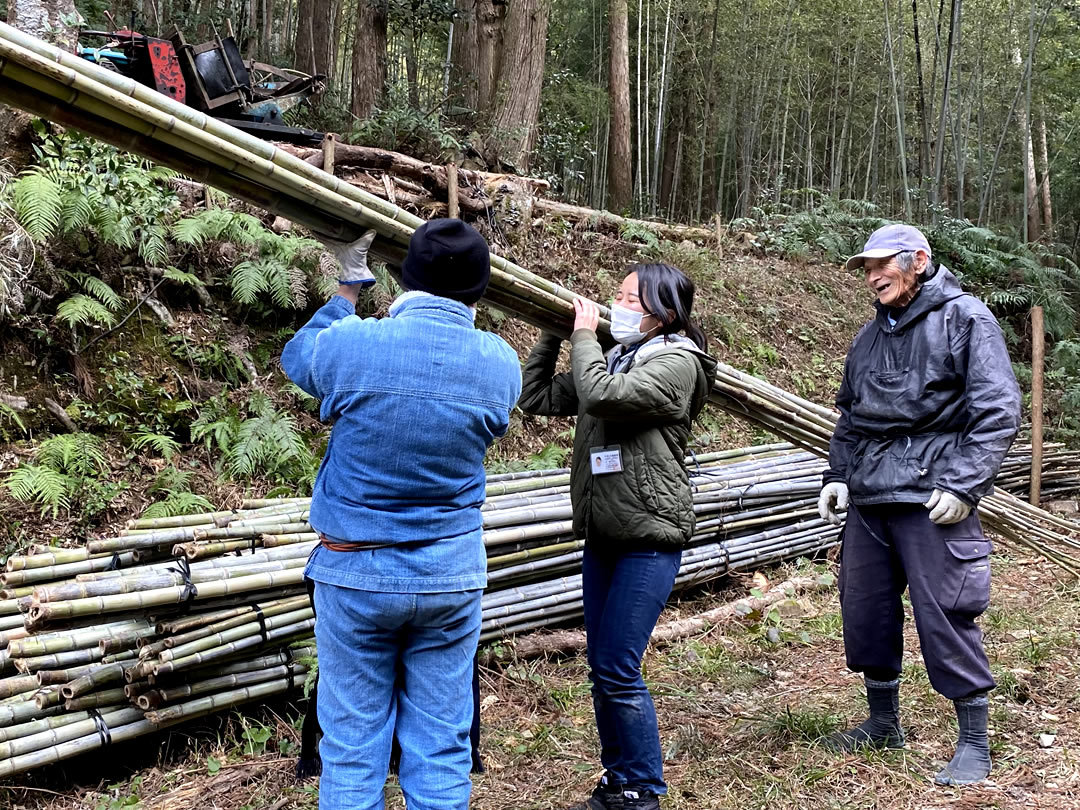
(415, 400)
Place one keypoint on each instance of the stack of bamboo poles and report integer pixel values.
(46, 81)
(180, 617)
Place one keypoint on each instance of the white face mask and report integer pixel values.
(626, 325)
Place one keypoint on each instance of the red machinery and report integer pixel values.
(212, 77)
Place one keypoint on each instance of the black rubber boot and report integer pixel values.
(882, 729)
(607, 795)
(971, 762)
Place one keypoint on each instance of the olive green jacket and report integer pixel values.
(647, 412)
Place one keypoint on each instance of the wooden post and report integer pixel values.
(1038, 353)
(452, 191)
(328, 145)
(719, 234)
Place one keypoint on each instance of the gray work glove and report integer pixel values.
(352, 256)
(945, 508)
(834, 498)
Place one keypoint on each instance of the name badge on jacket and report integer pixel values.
(606, 460)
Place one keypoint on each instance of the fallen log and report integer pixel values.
(479, 190)
(564, 642)
(606, 221)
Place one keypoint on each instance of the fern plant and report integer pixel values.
(81, 184)
(175, 485)
(65, 470)
(164, 446)
(284, 267)
(260, 441)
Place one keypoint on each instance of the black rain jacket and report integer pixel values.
(928, 403)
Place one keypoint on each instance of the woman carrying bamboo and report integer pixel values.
(631, 496)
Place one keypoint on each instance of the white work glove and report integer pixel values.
(945, 508)
(352, 256)
(834, 498)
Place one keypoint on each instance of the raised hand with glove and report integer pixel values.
(353, 258)
(833, 499)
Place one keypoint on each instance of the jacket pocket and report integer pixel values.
(965, 579)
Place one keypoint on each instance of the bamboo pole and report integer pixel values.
(1037, 362)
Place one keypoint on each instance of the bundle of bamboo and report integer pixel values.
(97, 645)
(118, 639)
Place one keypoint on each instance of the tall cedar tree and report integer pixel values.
(368, 56)
(620, 179)
(312, 53)
(521, 77)
(477, 43)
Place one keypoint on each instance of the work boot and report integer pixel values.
(882, 729)
(971, 762)
(639, 799)
(607, 795)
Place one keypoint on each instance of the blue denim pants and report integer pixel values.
(623, 596)
(395, 662)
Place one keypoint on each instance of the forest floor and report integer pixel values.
(740, 709)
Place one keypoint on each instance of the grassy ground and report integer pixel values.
(740, 709)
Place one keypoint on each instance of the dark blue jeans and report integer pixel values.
(623, 595)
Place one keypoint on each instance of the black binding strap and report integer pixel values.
(101, 727)
(262, 623)
(183, 568)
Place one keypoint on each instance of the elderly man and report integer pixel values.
(928, 408)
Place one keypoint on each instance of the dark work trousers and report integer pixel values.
(946, 568)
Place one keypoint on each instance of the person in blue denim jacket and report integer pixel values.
(415, 400)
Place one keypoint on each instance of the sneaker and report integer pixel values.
(607, 795)
(635, 799)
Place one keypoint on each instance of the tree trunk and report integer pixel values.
(368, 57)
(412, 70)
(1044, 169)
(303, 46)
(939, 149)
(322, 36)
(48, 20)
(661, 105)
(924, 119)
(266, 50)
(517, 104)
(251, 32)
(897, 95)
(620, 178)
(706, 120)
(1031, 200)
(477, 37)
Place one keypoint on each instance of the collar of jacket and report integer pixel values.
(941, 288)
(643, 351)
(417, 302)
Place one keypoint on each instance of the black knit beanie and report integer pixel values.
(447, 258)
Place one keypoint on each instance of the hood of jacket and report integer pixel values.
(939, 289)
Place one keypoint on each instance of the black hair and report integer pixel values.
(667, 294)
